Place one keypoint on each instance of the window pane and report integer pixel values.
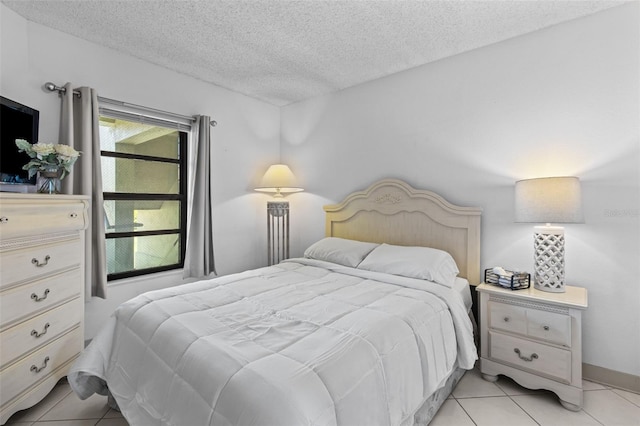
(139, 176)
(132, 253)
(136, 138)
(141, 215)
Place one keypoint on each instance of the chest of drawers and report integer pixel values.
(41, 294)
(535, 338)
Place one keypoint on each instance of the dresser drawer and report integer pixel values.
(17, 266)
(20, 303)
(29, 335)
(508, 317)
(536, 357)
(21, 218)
(31, 370)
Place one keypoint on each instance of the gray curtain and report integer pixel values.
(79, 128)
(199, 260)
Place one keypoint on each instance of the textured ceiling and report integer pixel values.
(287, 51)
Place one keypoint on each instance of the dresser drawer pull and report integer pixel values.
(506, 319)
(4, 219)
(35, 334)
(39, 369)
(73, 215)
(40, 299)
(524, 358)
(37, 262)
(545, 327)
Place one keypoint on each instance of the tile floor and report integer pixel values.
(473, 402)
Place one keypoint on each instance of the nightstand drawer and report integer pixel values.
(549, 326)
(552, 327)
(536, 357)
(508, 318)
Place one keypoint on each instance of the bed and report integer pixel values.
(370, 327)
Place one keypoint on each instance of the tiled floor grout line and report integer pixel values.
(54, 405)
(522, 408)
(622, 396)
(465, 411)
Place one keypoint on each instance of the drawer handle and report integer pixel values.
(39, 369)
(4, 219)
(546, 327)
(35, 334)
(73, 215)
(506, 319)
(37, 262)
(40, 299)
(524, 358)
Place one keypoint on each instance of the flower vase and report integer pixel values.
(48, 180)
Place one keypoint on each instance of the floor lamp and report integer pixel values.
(279, 180)
(549, 200)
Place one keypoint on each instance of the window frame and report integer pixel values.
(184, 134)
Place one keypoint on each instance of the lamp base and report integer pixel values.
(277, 231)
(549, 258)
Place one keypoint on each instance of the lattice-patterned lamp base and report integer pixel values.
(549, 258)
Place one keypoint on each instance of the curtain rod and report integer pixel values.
(54, 88)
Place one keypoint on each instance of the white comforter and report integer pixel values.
(304, 342)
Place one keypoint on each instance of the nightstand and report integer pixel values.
(535, 338)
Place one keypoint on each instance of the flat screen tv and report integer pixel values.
(17, 121)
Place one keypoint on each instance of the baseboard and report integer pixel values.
(612, 378)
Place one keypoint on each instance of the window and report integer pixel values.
(144, 181)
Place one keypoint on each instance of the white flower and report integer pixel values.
(43, 148)
(66, 151)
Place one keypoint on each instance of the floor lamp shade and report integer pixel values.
(549, 200)
(278, 179)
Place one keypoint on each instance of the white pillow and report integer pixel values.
(340, 251)
(424, 263)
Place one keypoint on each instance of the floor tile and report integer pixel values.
(496, 411)
(451, 414)
(473, 385)
(112, 422)
(72, 407)
(547, 411)
(113, 414)
(611, 409)
(629, 396)
(587, 385)
(59, 392)
(86, 422)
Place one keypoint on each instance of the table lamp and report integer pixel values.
(549, 200)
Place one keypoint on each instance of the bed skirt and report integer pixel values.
(425, 414)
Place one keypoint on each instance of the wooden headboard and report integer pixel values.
(391, 211)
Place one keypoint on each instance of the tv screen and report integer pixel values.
(17, 121)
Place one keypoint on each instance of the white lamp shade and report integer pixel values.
(279, 179)
(549, 200)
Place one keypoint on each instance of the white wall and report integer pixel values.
(244, 143)
(562, 101)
